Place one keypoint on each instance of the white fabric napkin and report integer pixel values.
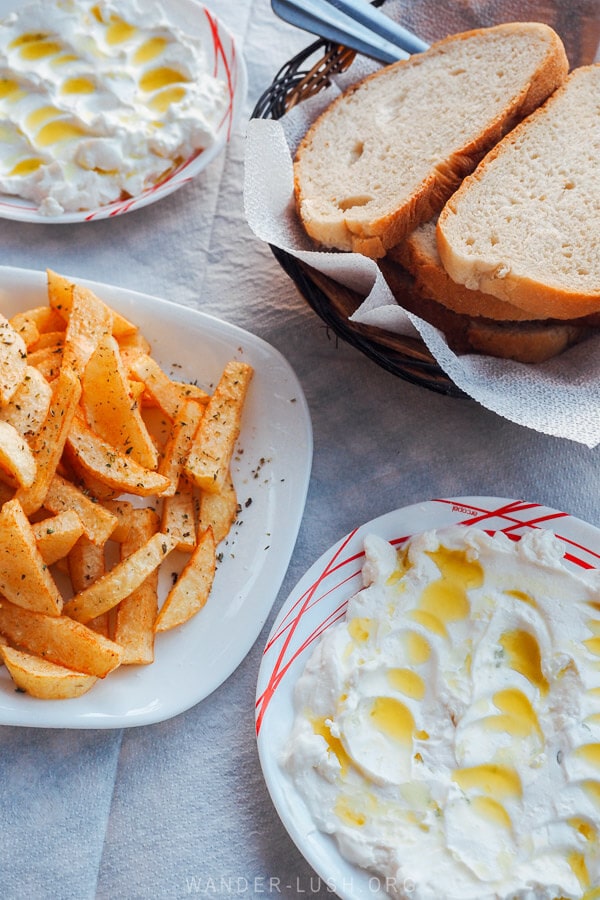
(560, 397)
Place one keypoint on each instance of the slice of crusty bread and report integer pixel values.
(387, 154)
(523, 341)
(525, 226)
(418, 254)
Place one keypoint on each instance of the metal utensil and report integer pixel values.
(354, 23)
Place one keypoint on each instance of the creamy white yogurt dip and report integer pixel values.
(100, 99)
(447, 732)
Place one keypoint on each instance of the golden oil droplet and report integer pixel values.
(519, 717)
(446, 598)
(346, 811)
(149, 50)
(359, 629)
(165, 99)
(334, 745)
(8, 87)
(525, 657)
(39, 50)
(407, 682)
(590, 753)
(26, 167)
(418, 648)
(579, 867)
(429, 621)
(490, 809)
(160, 78)
(119, 31)
(521, 595)
(492, 779)
(40, 115)
(393, 718)
(55, 132)
(78, 86)
(585, 828)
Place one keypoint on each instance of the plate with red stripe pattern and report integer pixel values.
(319, 600)
(224, 61)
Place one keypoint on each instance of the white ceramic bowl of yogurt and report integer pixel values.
(109, 106)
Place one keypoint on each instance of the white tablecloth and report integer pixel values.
(180, 808)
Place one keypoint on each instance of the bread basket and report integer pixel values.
(310, 71)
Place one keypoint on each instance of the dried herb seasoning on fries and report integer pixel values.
(92, 502)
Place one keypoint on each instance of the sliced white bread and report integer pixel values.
(523, 341)
(387, 154)
(525, 226)
(418, 254)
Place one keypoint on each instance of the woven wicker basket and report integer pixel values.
(307, 73)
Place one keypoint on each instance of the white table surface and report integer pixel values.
(179, 808)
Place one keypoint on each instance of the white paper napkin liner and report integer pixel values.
(560, 397)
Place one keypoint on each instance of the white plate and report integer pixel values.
(319, 600)
(225, 61)
(271, 476)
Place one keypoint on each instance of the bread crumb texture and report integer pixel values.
(525, 227)
(389, 152)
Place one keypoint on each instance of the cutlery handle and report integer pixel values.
(321, 18)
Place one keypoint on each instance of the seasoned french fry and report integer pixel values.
(49, 442)
(190, 592)
(98, 522)
(24, 576)
(89, 322)
(59, 639)
(43, 679)
(136, 614)
(104, 462)
(212, 448)
(86, 564)
(165, 392)
(56, 535)
(30, 403)
(31, 323)
(109, 407)
(177, 448)
(60, 297)
(178, 517)
(16, 458)
(48, 360)
(121, 581)
(218, 510)
(13, 360)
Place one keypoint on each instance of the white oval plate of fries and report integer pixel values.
(82, 639)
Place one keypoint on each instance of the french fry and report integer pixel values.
(24, 576)
(43, 679)
(59, 639)
(103, 461)
(136, 614)
(56, 536)
(30, 403)
(98, 522)
(16, 457)
(87, 415)
(31, 323)
(177, 448)
(120, 581)
(109, 407)
(166, 393)
(13, 360)
(89, 322)
(190, 592)
(214, 442)
(60, 298)
(48, 360)
(218, 510)
(86, 564)
(49, 442)
(178, 517)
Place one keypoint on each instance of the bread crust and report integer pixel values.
(373, 236)
(530, 342)
(533, 290)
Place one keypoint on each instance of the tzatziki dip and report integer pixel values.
(100, 100)
(447, 731)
